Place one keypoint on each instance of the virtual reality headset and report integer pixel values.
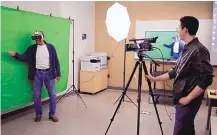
(36, 36)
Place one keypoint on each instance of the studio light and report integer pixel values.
(117, 21)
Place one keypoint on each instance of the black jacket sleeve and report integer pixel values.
(205, 68)
(172, 73)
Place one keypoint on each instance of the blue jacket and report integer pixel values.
(30, 56)
(181, 46)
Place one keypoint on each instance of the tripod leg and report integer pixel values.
(152, 95)
(139, 96)
(117, 100)
(131, 100)
(122, 96)
(74, 89)
(64, 94)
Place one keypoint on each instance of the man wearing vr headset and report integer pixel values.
(43, 68)
(192, 75)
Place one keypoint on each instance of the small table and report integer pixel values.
(213, 124)
(212, 103)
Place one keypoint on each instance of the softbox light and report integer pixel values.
(117, 22)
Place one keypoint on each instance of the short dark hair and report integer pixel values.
(191, 23)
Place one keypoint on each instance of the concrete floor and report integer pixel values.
(75, 119)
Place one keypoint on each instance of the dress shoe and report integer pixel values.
(54, 118)
(38, 118)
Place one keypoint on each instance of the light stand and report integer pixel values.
(131, 101)
(141, 65)
(73, 61)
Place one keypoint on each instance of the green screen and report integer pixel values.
(17, 27)
(164, 37)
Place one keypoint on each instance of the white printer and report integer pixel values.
(102, 56)
(90, 63)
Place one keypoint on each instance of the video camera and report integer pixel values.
(143, 46)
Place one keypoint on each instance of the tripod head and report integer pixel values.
(141, 54)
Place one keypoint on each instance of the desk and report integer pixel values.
(212, 103)
(153, 69)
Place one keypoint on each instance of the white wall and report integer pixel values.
(84, 15)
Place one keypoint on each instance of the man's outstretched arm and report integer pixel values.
(21, 57)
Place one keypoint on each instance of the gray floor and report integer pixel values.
(75, 119)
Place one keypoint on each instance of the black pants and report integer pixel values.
(185, 115)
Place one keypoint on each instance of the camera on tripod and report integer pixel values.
(139, 48)
(145, 45)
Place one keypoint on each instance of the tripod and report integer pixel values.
(69, 91)
(73, 61)
(131, 101)
(141, 64)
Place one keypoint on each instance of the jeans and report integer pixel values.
(185, 115)
(40, 78)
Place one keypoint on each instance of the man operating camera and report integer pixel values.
(43, 68)
(192, 75)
